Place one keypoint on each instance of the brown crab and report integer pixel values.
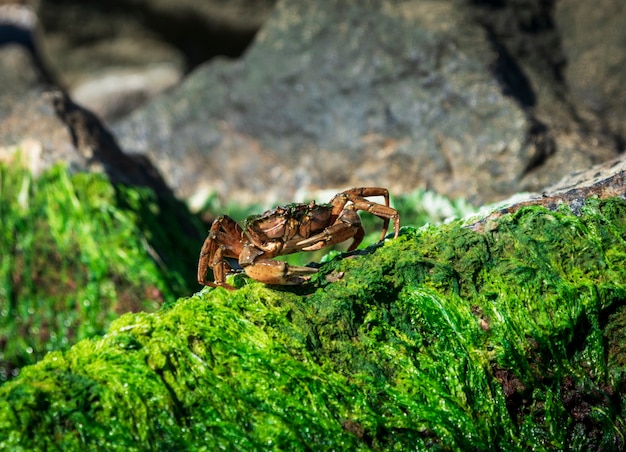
(285, 230)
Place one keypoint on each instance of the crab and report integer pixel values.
(251, 246)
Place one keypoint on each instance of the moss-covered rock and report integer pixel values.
(444, 339)
(75, 253)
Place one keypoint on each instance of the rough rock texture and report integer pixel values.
(467, 99)
(478, 99)
(539, 46)
(602, 181)
(28, 122)
(331, 95)
(40, 125)
(595, 72)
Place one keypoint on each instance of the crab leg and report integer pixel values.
(348, 225)
(384, 212)
(223, 241)
(357, 197)
(278, 272)
(220, 270)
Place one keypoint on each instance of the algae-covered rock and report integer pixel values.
(76, 252)
(444, 338)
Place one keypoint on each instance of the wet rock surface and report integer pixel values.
(477, 99)
(602, 181)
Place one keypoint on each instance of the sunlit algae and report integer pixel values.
(442, 339)
(75, 253)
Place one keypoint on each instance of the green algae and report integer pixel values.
(75, 253)
(442, 339)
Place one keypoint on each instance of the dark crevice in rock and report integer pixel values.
(17, 26)
(527, 27)
(531, 65)
(97, 144)
(532, 62)
(511, 76)
(620, 142)
(197, 41)
(195, 37)
(543, 144)
(525, 38)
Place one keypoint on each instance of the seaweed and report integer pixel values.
(76, 252)
(441, 339)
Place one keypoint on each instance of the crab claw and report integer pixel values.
(278, 272)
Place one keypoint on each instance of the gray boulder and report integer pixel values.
(477, 99)
(405, 95)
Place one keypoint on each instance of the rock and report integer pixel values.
(42, 126)
(479, 100)
(332, 96)
(147, 45)
(602, 181)
(116, 92)
(19, 69)
(45, 127)
(404, 96)
(537, 46)
(595, 73)
(29, 126)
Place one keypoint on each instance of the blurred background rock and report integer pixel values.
(263, 101)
